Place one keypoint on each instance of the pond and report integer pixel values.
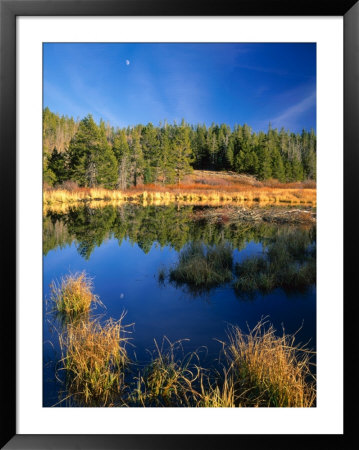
(138, 257)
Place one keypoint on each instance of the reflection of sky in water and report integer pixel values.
(126, 279)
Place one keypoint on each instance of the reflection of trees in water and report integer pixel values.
(166, 225)
(55, 233)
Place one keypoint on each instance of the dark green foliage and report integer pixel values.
(122, 153)
(99, 155)
(91, 159)
(58, 165)
(181, 151)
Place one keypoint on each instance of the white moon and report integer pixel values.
(127, 62)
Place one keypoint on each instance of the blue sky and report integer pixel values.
(127, 84)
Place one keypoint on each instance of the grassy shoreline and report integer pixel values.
(198, 188)
(261, 196)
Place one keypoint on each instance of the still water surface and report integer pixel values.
(124, 248)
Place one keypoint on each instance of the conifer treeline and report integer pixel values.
(100, 155)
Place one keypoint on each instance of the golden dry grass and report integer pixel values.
(201, 187)
(94, 357)
(219, 393)
(260, 368)
(167, 380)
(73, 295)
(262, 196)
(269, 370)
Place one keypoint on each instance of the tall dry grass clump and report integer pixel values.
(73, 295)
(219, 393)
(94, 358)
(269, 370)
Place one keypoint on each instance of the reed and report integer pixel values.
(259, 368)
(94, 357)
(219, 393)
(73, 295)
(269, 370)
(168, 380)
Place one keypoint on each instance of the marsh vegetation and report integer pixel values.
(257, 368)
(203, 267)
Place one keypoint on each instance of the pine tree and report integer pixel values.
(151, 153)
(167, 172)
(91, 160)
(97, 155)
(297, 170)
(57, 164)
(265, 167)
(182, 152)
(278, 170)
(212, 145)
(121, 151)
(136, 161)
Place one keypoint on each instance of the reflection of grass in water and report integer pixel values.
(94, 358)
(202, 268)
(290, 263)
(73, 296)
(162, 275)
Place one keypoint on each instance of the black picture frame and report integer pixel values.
(9, 10)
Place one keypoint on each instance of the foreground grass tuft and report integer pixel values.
(217, 393)
(168, 380)
(259, 368)
(94, 358)
(269, 370)
(73, 296)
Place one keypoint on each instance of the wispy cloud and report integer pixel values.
(93, 96)
(259, 91)
(263, 69)
(184, 84)
(292, 113)
(150, 99)
(57, 95)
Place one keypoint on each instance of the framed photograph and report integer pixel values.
(174, 223)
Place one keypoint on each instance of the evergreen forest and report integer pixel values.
(92, 154)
